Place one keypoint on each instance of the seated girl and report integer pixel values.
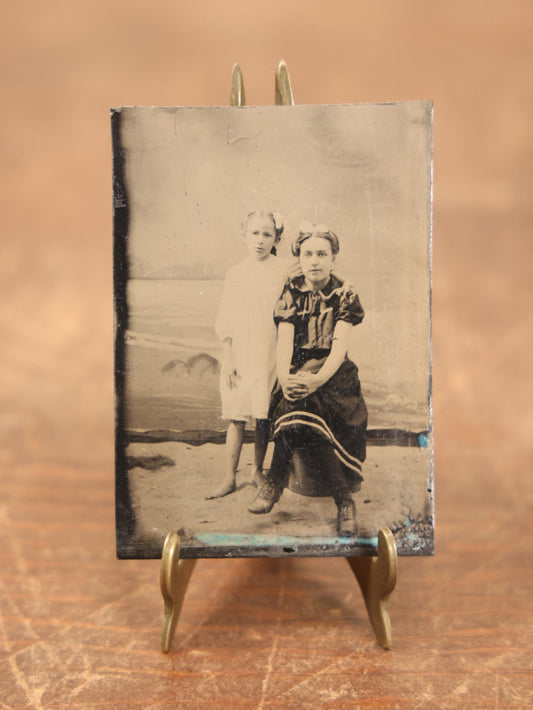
(320, 401)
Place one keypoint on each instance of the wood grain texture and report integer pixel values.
(78, 628)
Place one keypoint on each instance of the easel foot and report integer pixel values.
(174, 579)
(377, 579)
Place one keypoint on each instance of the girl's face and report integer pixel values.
(260, 237)
(316, 260)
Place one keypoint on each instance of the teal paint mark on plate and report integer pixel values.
(423, 440)
(241, 540)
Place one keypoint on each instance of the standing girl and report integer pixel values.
(245, 325)
(320, 403)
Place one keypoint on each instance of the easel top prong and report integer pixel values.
(283, 88)
(237, 97)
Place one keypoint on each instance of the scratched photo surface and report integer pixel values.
(185, 181)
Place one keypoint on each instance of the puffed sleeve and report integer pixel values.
(225, 320)
(285, 309)
(349, 308)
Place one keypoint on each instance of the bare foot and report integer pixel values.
(225, 489)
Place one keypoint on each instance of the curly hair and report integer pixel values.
(314, 230)
(276, 218)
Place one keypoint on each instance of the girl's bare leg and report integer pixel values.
(262, 436)
(233, 447)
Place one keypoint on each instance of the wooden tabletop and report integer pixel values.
(80, 629)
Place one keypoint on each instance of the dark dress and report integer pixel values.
(336, 412)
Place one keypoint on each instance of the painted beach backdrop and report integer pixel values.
(173, 353)
(192, 174)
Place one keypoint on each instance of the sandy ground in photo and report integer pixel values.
(173, 497)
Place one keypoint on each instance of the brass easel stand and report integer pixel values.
(376, 575)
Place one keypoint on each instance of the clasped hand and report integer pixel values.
(300, 385)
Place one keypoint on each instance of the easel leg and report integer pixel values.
(174, 579)
(377, 578)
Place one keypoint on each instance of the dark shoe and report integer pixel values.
(346, 524)
(265, 499)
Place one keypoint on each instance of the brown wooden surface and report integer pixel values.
(81, 630)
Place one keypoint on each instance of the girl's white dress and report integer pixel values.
(246, 315)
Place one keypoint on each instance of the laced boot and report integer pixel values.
(265, 499)
(346, 523)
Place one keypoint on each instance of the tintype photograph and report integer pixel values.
(272, 275)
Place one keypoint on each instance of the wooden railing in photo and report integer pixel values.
(376, 574)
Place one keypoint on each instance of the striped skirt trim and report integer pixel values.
(317, 423)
